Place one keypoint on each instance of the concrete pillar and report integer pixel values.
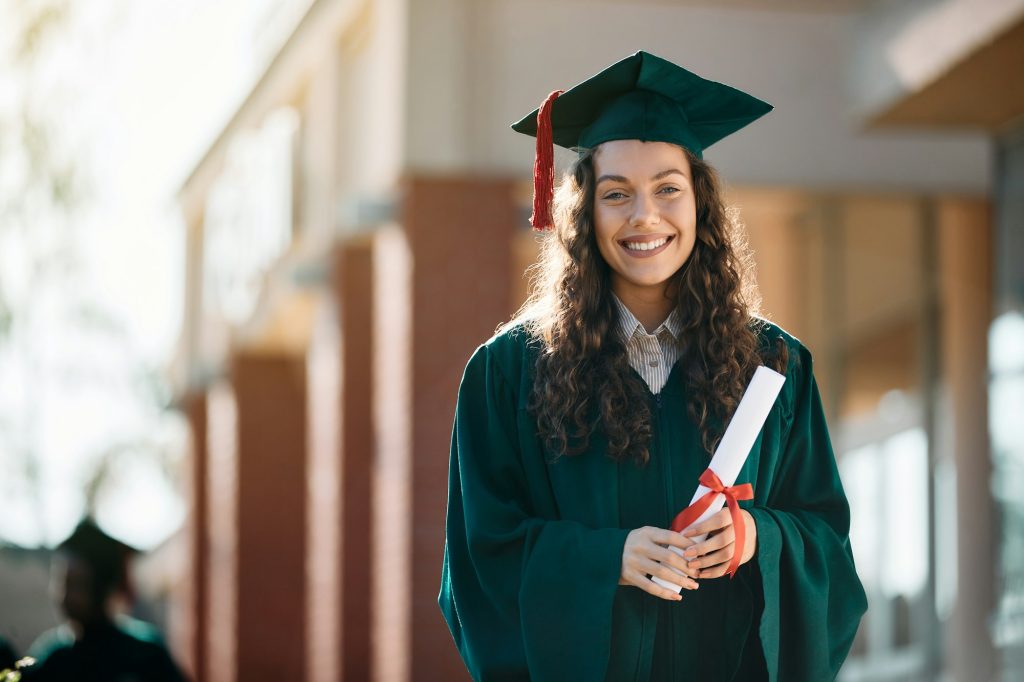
(965, 267)
(324, 532)
(221, 535)
(392, 400)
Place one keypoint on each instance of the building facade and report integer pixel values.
(359, 226)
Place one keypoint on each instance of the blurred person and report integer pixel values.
(7, 656)
(97, 643)
(583, 425)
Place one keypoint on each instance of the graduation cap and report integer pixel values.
(107, 556)
(642, 97)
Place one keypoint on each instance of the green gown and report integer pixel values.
(123, 649)
(7, 656)
(533, 553)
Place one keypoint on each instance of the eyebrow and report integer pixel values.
(659, 176)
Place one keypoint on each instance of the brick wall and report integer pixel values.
(325, 482)
(460, 232)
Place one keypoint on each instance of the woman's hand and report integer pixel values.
(710, 559)
(646, 553)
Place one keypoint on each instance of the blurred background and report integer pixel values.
(247, 246)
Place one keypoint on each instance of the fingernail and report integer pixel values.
(678, 597)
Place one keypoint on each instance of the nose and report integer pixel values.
(645, 212)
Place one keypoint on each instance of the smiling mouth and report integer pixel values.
(645, 246)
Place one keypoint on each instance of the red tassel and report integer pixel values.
(544, 167)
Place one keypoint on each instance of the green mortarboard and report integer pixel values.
(642, 97)
(107, 556)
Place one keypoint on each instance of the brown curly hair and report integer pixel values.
(583, 379)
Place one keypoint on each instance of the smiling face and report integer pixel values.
(645, 214)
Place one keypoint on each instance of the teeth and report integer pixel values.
(646, 246)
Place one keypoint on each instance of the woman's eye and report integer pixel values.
(614, 195)
(669, 190)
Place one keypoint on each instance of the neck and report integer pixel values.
(649, 305)
(99, 623)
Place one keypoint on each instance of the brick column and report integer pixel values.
(270, 397)
(460, 232)
(341, 454)
(353, 288)
(194, 409)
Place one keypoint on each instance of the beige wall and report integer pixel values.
(474, 66)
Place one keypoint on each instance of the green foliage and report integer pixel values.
(45, 199)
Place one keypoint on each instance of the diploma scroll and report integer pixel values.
(736, 443)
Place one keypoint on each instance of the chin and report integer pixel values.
(651, 282)
(651, 279)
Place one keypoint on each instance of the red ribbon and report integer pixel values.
(732, 494)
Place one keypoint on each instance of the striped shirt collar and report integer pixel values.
(628, 323)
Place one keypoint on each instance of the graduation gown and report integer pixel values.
(533, 550)
(7, 655)
(123, 650)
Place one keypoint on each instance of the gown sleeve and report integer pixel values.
(525, 597)
(813, 599)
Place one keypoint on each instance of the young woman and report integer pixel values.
(583, 425)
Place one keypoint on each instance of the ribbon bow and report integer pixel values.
(733, 494)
